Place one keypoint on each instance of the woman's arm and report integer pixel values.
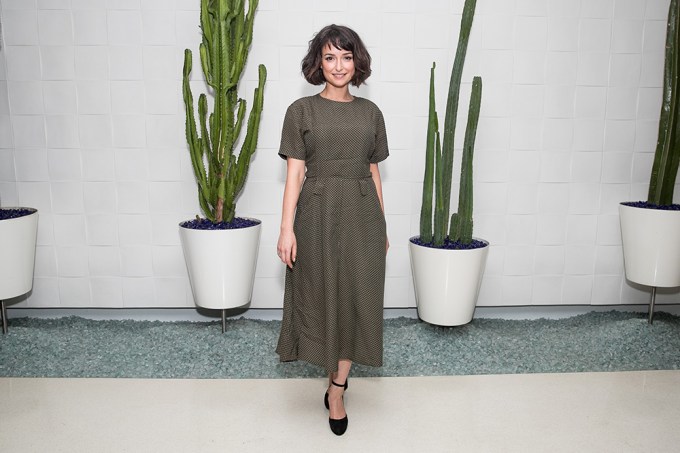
(287, 245)
(375, 174)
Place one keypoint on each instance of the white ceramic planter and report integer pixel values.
(447, 283)
(221, 265)
(17, 254)
(651, 245)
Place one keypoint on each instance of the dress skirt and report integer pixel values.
(333, 303)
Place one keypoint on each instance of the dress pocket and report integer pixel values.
(304, 211)
(372, 217)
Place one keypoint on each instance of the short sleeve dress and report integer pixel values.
(333, 303)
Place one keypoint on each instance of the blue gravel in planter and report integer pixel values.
(205, 224)
(451, 245)
(14, 213)
(646, 205)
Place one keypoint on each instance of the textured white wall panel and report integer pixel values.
(92, 134)
(94, 131)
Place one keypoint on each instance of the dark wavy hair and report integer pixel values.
(342, 38)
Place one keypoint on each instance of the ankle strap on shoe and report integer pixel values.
(337, 385)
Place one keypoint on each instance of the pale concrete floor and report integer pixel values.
(584, 412)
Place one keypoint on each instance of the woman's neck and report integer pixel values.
(336, 94)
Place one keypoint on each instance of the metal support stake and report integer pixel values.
(3, 315)
(224, 320)
(651, 305)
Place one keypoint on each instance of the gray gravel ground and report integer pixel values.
(78, 347)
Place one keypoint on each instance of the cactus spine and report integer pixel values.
(439, 154)
(667, 155)
(227, 31)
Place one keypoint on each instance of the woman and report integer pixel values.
(333, 237)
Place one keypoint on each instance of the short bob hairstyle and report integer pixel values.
(342, 38)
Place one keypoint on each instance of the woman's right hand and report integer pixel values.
(287, 247)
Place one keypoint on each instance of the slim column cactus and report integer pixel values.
(439, 155)
(227, 31)
(461, 221)
(430, 152)
(667, 155)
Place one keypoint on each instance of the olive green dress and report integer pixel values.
(333, 303)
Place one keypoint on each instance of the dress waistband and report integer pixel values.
(341, 168)
(318, 175)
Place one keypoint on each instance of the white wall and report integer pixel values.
(92, 122)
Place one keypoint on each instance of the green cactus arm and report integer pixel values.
(452, 101)
(220, 193)
(205, 64)
(220, 57)
(461, 226)
(224, 9)
(196, 143)
(672, 173)
(205, 146)
(237, 31)
(245, 27)
(217, 131)
(190, 125)
(228, 120)
(205, 207)
(439, 212)
(214, 123)
(250, 142)
(250, 15)
(671, 160)
(224, 45)
(214, 40)
(203, 184)
(225, 106)
(205, 48)
(428, 178)
(241, 107)
(237, 11)
(206, 42)
(229, 194)
(454, 226)
(667, 155)
(202, 115)
(206, 21)
(231, 170)
(212, 153)
(214, 166)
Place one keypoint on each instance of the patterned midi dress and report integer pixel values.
(333, 302)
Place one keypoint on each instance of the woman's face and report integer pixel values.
(337, 66)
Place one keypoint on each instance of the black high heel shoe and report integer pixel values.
(325, 397)
(338, 426)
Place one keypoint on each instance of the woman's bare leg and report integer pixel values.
(337, 408)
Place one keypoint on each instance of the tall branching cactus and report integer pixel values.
(439, 154)
(667, 156)
(227, 34)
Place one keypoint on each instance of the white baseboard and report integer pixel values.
(193, 314)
